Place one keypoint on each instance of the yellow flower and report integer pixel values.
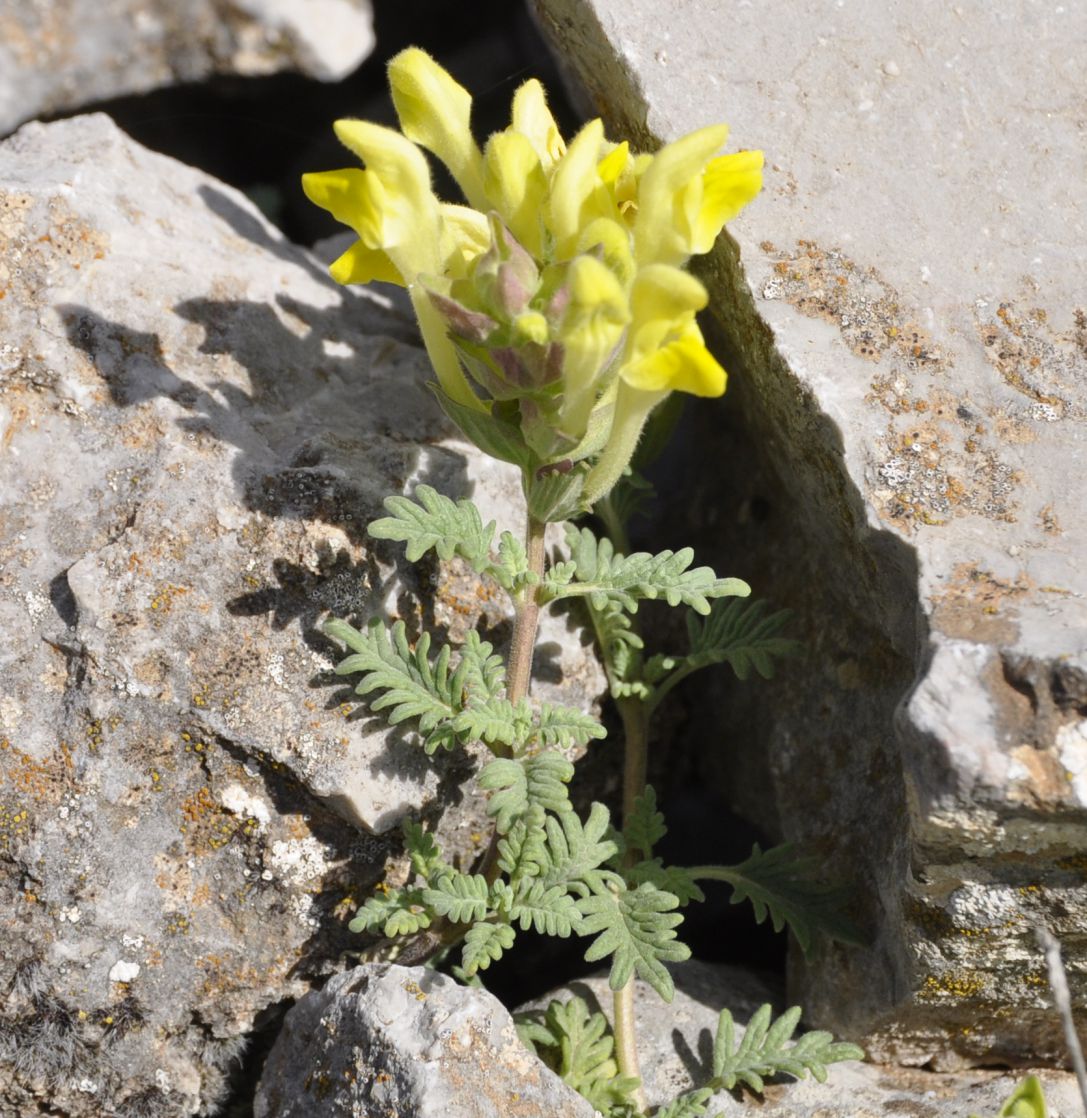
(560, 286)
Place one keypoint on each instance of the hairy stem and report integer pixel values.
(635, 717)
(526, 617)
(526, 620)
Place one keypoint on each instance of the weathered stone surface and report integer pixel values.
(57, 55)
(196, 425)
(908, 344)
(383, 1039)
(675, 1049)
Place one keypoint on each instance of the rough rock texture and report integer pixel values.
(196, 425)
(383, 1039)
(908, 343)
(57, 55)
(675, 1046)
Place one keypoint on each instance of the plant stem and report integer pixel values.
(635, 717)
(526, 617)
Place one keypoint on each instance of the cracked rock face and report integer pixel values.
(385, 1039)
(195, 427)
(908, 347)
(56, 55)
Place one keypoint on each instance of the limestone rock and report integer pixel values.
(406, 1040)
(58, 55)
(908, 343)
(675, 1049)
(196, 425)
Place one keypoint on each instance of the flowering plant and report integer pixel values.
(555, 307)
(557, 315)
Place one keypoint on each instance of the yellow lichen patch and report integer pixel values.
(955, 986)
(975, 605)
(165, 596)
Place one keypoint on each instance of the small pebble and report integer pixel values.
(890, 68)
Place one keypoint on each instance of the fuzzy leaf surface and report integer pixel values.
(637, 928)
(602, 574)
(462, 898)
(484, 944)
(786, 886)
(575, 854)
(576, 1043)
(433, 521)
(765, 1051)
(519, 784)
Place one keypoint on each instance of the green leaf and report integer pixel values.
(423, 849)
(672, 879)
(392, 913)
(484, 944)
(493, 434)
(556, 495)
(521, 851)
(603, 575)
(461, 897)
(550, 910)
(564, 727)
(637, 928)
(520, 783)
(787, 887)
(763, 1052)
(691, 1104)
(576, 1043)
(645, 827)
(574, 853)
(619, 646)
(433, 521)
(413, 687)
(511, 571)
(741, 634)
(495, 721)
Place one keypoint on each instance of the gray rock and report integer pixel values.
(406, 1040)
(908, 346)
(57, 55)
(196, 425)
(675, 1049)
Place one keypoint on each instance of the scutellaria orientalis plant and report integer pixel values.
(558, 316)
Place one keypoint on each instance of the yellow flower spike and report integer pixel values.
(728, 184)
(665, 296)
(411, 218)
(435, 111)
(360, 264)
(532, 118)
(515, 184)
(574, 184)
(352, 196)
(613, 238)
(673, 178)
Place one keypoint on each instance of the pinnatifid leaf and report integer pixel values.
(433, 521)
(741, 634)
(462, 898)
(788, 887)
(691, 1104)
(637, 929)
(576, 853)
(484, 944)
(672, 879)
(575, 1042)
(518, 784)
(550, 910)
(765, 1051)
(645, 827)
(601, 574)
(424, 851)
(392, 913)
